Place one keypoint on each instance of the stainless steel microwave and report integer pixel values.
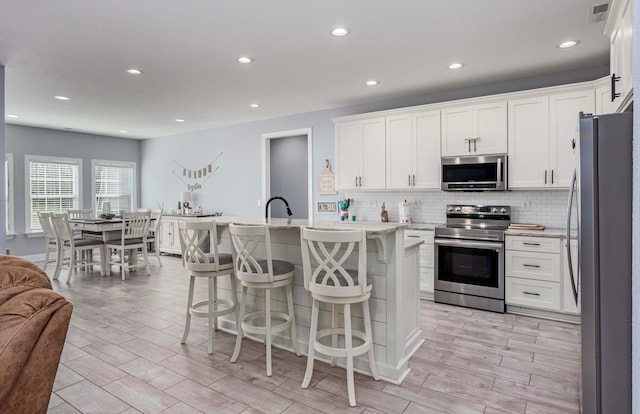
(474, 173)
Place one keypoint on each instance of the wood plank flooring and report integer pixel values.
(123, 355)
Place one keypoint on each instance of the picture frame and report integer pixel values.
(327, 206)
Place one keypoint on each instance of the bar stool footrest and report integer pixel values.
(341, 352)
(221, 307)
(261, 330)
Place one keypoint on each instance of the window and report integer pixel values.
(8, 192)
(114, 181)
(52, 184)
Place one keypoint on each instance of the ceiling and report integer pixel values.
(188, 51)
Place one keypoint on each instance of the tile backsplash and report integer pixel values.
(547, 208)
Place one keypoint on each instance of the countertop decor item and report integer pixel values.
(384, 215)
(344, 208)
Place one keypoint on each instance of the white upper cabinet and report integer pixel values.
(529, 158)
(360, 154)
(603, 97)
(564, 134)
(475, 130)
(413, 150)
(619, 29)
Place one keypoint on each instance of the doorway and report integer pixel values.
(287, 171)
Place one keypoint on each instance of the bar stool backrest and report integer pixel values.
(196, 239)
(248, 242)
(324, 256)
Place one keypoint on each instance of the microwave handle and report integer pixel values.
(499, 167)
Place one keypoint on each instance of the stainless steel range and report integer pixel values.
(469, 256)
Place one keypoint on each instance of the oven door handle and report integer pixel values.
(469, 243)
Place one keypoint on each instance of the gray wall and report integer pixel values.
(3, 230)
(21, 141)
(289, 163)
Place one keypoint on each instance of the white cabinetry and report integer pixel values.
(533, 272)
(426, 260)
(568, 301)
(603, 97)
(413, 150)
(360, 154)
(619, 29)
(169, 241)
(475, 130)
(564, 134)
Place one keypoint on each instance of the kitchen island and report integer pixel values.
(394, 300)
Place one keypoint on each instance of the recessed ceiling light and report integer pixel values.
(61, 98)
(179, 120)
(372, 82)
(254, 105)
(455, 66)
(12, 116)
(134, 71)
(122, 131)
(244, 59)
(340, 31)
(568, 44)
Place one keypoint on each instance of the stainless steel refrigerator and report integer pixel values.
(603, 276)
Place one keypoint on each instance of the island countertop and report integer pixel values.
(282, 223)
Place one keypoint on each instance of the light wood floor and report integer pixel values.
(123, 355)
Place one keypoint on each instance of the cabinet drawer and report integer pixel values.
(533, 244)
(426, 235)
(532, 293)
(533, 265)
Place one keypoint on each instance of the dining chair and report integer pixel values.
(133, 237)
(261, 271)
(325, 253)
(154, 231)
(68, 243)
(50, 242)
(200, 257)
(81, 213)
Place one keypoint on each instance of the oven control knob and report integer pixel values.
(458, 209)
(450, 208)
(503, 210)
(494, 210)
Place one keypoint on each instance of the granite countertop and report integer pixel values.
(550, 232)
(281, 223)
(192, 215)
(423, 226)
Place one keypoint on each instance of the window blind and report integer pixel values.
(53, 187)
(114, 183)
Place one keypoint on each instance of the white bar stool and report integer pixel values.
(324, 253)
(200, 256)
(266, 274)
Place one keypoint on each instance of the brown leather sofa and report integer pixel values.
(33, 327)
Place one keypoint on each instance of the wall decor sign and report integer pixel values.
(190, 176)
(327, 180)
(327, 207)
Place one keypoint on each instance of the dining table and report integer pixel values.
(105, 230)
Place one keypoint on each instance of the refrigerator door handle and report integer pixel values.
(573, 278)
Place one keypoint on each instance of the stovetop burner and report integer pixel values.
(475, 222)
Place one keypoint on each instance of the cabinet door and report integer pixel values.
(457, 124)
(603, 99)
(568, 301)
(565, 111)
(165, 243)
(626, 52)
(348, 143)
(426, 132)
(400, 151)
(373, 155)
(490, 126)
(528, 142)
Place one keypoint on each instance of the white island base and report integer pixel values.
(394, 300)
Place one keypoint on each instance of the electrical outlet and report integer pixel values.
(259, 203)
(526, 205)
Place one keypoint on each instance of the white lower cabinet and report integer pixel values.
(536, 276)
(426, 260)
(169, 241)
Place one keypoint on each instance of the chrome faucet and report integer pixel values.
(266, 209)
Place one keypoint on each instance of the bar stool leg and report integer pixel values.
(334, 336)
(243, 301)
(187, 324)
(267, 319)
(210, 316)
(348, 345)
(368, 331)
(294, 337)
(312, 339)
(215, 302)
